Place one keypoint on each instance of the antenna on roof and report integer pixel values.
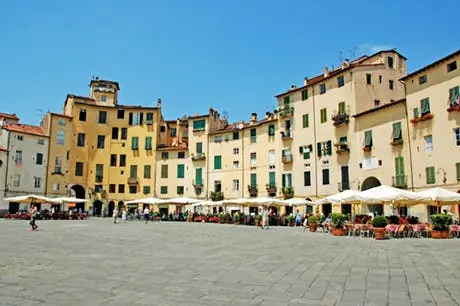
(40, 113)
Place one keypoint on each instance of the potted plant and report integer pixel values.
(338, 221)
(441, 226)
(258, 219)
(379, 223)
(313, 222)
(236, 219)
(288, 192)
(291, 220)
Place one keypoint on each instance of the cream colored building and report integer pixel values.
(3, 161)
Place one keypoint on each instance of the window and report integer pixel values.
(120, 114)
(133, 189)
(323, 114)
(425, 106)
(217, 186)
(100, 141)
(58, 165)
(82, 115)
(271, 178)
(368, 79)
(124, 133)
(147, 171)
(121, 188)
(236, 185)
(253, 134)
(340, 81)
(122, 160)
(78, 169)
(236, 151)
(287, 100)
(218, 138)
(397, 133)
(376, 103)
(61, 122)
(39, 159)
(180, 171)
(135, 143)
(99, 173)
(380, 79)
(307, 178)
(271, 130)
(148, 142)
(457, 136)
(322, 89)
(114, 133)
(253, 179)
(286, 180)
(164, 155)
(41, 141)
(390, 62)
(305, 94)
(146, 190)
(180, 155)
(162, 129)
(16, 180)
(68, 155)
(217, 162)
(112, 188)
(20, 137)
(149, 119)
(422, 80)
(18, 157)
(199, 125)
(253, 158)
(180, 190)
(56, 187)
(305, 121)
(416, 112)
(135, 118)
(452, 66)
(113, 160)
(236, 135)
(103, 98)
(342, 108)
(391, 84)
(173, 132)
(133, 171)
(236, 164)
(457, 166)
(199, 176)
(37, 182)
(102, 117)
(325, 176)
(430, 175)
(81, 140)
(164, 171)
(306, 152)
(454, 96)
(368, 139)
(60, 137)
(199, 147)
(164, 189)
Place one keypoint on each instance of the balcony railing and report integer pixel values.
(133, 181)
(340, 119)
(271, 190)
(424, 117)
(287, 158)
(342, 147)
(400, 181)
(252, 189)
(397, 142)
(198, 156)
(285, 111)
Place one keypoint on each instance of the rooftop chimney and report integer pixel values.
(305, 81)
(293, 87)
(159, 103)
(241, 124)
(253, 117)
(268, 115)
(326, 72)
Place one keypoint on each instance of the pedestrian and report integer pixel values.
(297, 219)
(123, 215)
(146, 214)
(33, 218)
(115, 215)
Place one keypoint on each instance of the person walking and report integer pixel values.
(123, 215)
(115, 215)
(146, 214)
(33, 217)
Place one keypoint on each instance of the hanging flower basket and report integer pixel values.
(415, 120)
(428, 116)
(367, 148)
(454, 108)
(397, 142)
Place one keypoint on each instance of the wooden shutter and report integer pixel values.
(271, 178)
(130, 120)
(180, 171)
(198, 176)
(319, 146)
(253, 179)
(329, 147)
(397, 130)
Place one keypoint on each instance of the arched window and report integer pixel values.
(60, 137)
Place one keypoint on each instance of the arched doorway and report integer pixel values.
(120, 205)
(369, 183)
(308, 208)
(80, 193)
(97, 208)
(111, 208)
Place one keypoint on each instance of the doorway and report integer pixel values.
(13, 207)
(326, 209)
(79, 191)
(111, 208)
(97, 208)
(346, 209)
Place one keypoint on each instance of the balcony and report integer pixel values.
(252, 189)
(424, 117)
(285, 111)
(288, 192)
(454, 108)
(367, 148)
(342, 147)
(397, 142)
(399, 181)
(286, 135)
(133, 181)
(340, 119)
(198, 186)
(287, 158)
(198, 156)
(271, 190)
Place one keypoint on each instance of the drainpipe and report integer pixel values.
(7, 162)
(314, 143)
(242, 162)
(207, 163)
(410, 148)
(48, 156)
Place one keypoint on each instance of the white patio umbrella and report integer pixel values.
(63, 200)
(298, 202)
(387, 194)
(440, 195)
(347, 196)
(32, 199)
(180, 201)
(145, 201)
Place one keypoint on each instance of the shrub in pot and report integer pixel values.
(236, 218)
(338, 221)
(441, 225)
(258, 219)
(313, 222)
(379, 223)
(291, 220)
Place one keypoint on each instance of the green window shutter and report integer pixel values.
(147, 171)
(133, 171)
(306, 155)
(397, 131)
(416, 112)
(199, 125)
(180, 171)
(425, 106)
(164, 171)
(253, 132)
(329, 147)
(454, 94)
(271, 130)
(148, 143)
(199, 176)
(319, 146)
(287, 100)
(135, 143)
(199, 147)
(342, 108)
(301, 149)
(253, 179)
(305, 120)
(304, 94)
(399, 171)
(368, 138)
(430, 175)
(271, 178)
(217, 162)
(458, 171)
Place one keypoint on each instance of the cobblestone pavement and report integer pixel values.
(95, 262)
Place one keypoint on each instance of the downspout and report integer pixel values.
(207, 163)
(242, 163)
(314, 142)
(48, 156)
(410, 148)
(7, 163)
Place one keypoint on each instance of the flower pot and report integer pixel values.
(440, 234)
(313, 227)
(291, 224)
(379, 233)
(338, 232)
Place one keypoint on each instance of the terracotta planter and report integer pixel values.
(313, 227)
(440, 234)
(291, 224)
(338, 232)
(379, 233)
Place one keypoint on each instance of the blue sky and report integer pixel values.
(232, 55)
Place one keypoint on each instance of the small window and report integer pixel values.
(78, 169)
(173, 132)
(368, 139)
(271, 130)
(164, 155)
(82, 115)
(41, 141)
(305, 121)
(113, 160)
(390, 62)
(180, 155)
(323, 113)
(39, 159)
(147, 171)
(61, 122)
(122, 160)
(135, 143)
(199, 147)
(103, 98)
(100, 141)
(121, 188)
(37, 182)
(112, 188)
(164, 171)
(149, 118)
(60, 137)
(340, 81)
(218, 138)
(253, 158)
(81, 139)
(368, 78)
(133, 171)
(180, 171)
(146, 190)
(376, 103)
(457, 136)
(124, 134)
(325, 176)
(114, 133)
(20, 137)
(164, 189)
(102, 117)
(132, 189)
(452, 66)
(148, 142)
(397, 132)
(430, 175)
(236, 151)
(120, 114)
(425, 106)
(322, 89)
(236, 185)
(236, 135)
(307, 178)
(218, 162)
(236, 164)
(253, 133)
(199, 125)
(162, 129)
(305, 94)
(180, 190)
(380, 79)
(391, 84)
(428, 140)
(423, 79)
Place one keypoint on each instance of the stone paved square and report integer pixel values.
(95, 262)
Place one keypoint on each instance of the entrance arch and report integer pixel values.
(97, 208)
(369, 183)
(80, 193)
(111, 208)
(308, 208)
(120, 205)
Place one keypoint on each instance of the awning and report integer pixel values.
(131, 205)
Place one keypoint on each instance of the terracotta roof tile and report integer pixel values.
(439, 61)
(9, 116)
(25, 128)
(375, 109)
